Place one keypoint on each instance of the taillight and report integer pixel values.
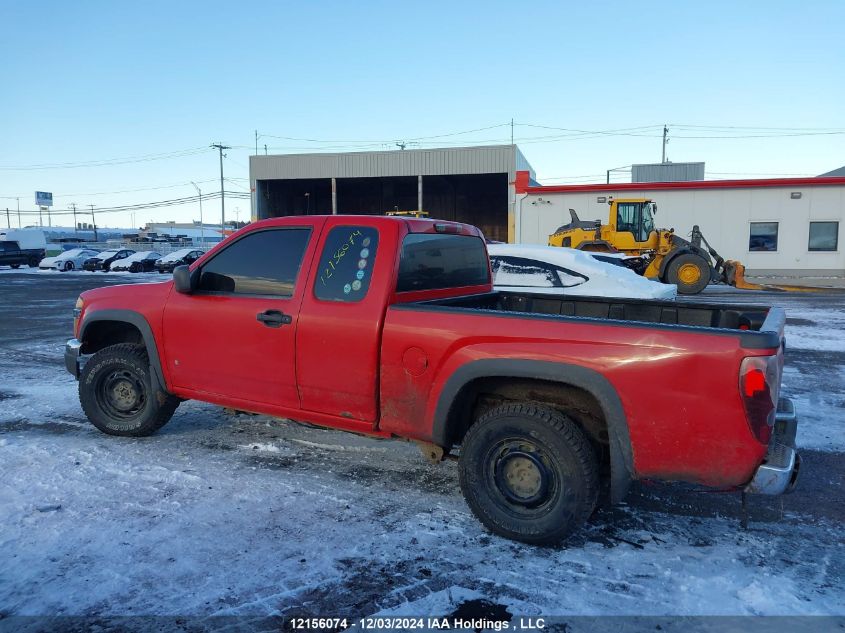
(759, 383)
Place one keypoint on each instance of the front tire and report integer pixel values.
(117, 393)
(68, 266)
(528, 473)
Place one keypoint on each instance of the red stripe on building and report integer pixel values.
(522, 179)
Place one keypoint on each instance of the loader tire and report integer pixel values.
(689, 272)
(528, 473)
(119, 395)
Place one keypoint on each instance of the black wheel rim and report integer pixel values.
(121, 394)
(521, 473)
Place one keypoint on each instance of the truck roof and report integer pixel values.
(415, 225)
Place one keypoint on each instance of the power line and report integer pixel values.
(240, 195)
(107, 193)
(384, 141)
(108, 161)
(741, 127)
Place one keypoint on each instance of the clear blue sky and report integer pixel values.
(88, 81)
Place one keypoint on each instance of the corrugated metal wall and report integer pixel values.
(426, 162)
(667, 172)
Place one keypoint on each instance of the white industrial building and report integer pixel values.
(781, 226)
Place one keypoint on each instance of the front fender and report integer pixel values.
(132, 318)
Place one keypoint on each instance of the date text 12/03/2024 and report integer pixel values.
(418, 623)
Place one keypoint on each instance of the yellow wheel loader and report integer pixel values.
(655, 253)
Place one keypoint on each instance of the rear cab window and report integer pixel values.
(434, 261)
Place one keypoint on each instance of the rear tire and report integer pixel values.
(689, 272)
(528, 473)
(117, 393)
(15, 266)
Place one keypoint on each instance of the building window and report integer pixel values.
(763, 236)
(824, 236)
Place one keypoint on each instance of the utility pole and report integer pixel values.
(94, 222)
(202, 226)
(256, 142)
(220, 147)
(511, 130)
(19, 213)
(665, 141)
(8, 221)
(73, 206)
(265, 149)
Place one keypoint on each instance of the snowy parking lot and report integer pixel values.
(240, 515)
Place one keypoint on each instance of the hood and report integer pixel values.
(48, 261)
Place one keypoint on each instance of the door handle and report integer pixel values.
(274, 318)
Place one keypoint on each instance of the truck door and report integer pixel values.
(234, 335)
(339, 333)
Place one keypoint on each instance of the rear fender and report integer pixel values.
(621, 452)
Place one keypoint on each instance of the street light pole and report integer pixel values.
(202, 226)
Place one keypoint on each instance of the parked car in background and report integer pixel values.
(22, 246)
(184, 256)
(566, 271)
(68, 260)
(140, 262)
(104, 260)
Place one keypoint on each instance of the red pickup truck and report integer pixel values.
(390, 327)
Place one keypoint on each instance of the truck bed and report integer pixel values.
(758, 327)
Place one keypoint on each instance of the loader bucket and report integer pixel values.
(734, 275)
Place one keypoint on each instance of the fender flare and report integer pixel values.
(136, 319)
(591, 381)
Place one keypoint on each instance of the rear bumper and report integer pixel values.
(72, 352)
(778, 474)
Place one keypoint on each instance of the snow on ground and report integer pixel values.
(247, 516)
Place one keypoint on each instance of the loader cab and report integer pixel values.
(636, 218)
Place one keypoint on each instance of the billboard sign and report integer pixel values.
(43, 199)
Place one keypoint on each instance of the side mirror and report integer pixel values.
(183, 280)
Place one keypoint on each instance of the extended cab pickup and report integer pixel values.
(390, 327)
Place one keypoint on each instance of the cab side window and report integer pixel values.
(260, 263)
(627, 219)
(346, 264)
